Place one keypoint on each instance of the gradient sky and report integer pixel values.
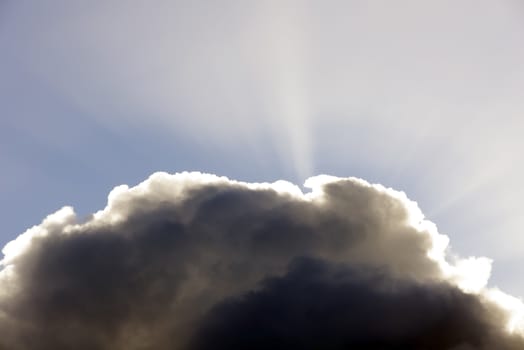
(421, 96)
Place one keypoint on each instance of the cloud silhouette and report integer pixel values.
(196, 261)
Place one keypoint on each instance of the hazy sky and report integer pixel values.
(422, 96)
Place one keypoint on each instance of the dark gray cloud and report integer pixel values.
(193, 261)
(318, 305)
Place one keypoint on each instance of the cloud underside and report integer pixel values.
(195, 261)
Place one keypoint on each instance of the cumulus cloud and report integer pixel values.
(196, 261)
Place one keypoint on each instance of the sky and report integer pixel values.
(421, 96)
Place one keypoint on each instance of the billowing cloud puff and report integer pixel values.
(195, 261)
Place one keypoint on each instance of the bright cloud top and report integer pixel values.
(197, 261)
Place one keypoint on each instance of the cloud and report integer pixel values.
(319, 305)
(194, 261)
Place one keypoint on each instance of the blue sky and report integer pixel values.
(425, 98)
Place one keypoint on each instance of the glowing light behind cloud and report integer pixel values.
(424, 95)
(281, 70)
